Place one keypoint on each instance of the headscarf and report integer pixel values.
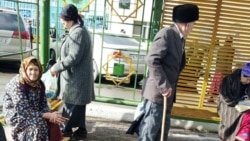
(246, 70)
(24, 79)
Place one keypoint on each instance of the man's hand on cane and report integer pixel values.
(167, 93)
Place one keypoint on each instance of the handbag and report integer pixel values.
(134, 127)
(54, 131)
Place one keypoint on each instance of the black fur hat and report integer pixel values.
(185, 13)
(69, 13)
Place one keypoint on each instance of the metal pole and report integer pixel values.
(155, 23)
(44, 34)
(19, 30)
(155, 18)
(37, 29)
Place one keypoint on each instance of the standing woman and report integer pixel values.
(76, 73)
(25, 105)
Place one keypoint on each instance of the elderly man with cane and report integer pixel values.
(165, 61)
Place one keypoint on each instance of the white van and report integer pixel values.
(11, 47)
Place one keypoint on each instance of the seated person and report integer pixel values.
(2, 133)
(234, 88)
(25, 106)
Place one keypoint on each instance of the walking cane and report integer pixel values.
(163, 117)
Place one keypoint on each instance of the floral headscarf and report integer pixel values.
(23, 68)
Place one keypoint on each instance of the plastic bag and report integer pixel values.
(50, 83)
(139, 110)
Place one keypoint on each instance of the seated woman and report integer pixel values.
(234, 88)
(25, 105)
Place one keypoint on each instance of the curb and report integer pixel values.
(126, 113)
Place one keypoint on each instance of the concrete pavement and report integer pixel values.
(181, 130)
(126, 113)
(112, 115)
(109, 122)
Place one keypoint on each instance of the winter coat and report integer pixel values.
(230, 94)
(76, 67)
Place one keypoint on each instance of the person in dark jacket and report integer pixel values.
(76, 73)
(233, 89)
(165, 61)
(31, 34)
(2, 133)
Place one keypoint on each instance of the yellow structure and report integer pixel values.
(117, 79)
(55, 104)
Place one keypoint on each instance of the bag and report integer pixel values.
(50, 83)
(50, 63)
(54, 131)
(139, 114)
(243, 106)
(134, 127)
(139, 109)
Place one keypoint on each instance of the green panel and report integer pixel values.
(118, 69)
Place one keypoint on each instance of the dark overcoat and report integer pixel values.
(165, 61)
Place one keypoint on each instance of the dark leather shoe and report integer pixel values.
(80, 134)
(67, 134)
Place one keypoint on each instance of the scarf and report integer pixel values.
(24, 79)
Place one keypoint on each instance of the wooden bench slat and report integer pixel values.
(194, 113)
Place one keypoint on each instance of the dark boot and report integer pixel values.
(67, 133)
(80, 134)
